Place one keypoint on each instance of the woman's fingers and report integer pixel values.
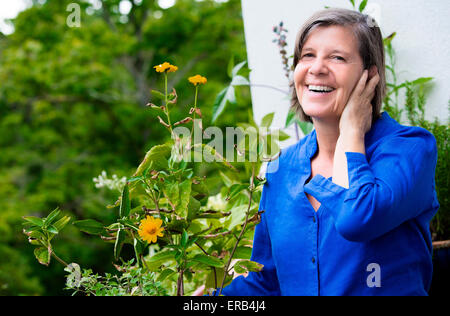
(372, 84)
(361, 83)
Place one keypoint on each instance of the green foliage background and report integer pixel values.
(72, 103)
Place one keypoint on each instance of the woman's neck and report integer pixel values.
(327, 133)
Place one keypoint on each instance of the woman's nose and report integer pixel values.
(318, 67)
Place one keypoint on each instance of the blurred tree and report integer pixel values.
(72, 103)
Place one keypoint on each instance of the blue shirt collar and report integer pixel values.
(377, 129)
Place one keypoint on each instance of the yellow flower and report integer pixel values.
(150, 229)
(165, 67)
(195, 80)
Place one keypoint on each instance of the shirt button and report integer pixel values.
(314, 219)
(313, 260)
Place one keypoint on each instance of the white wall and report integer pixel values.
(422, 45)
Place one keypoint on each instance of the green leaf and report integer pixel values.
(353, 3)
(125, 203)
(290, 119)
(163, 256)
(279, 135)
(52, 216)
(184, 239)
(421, 80)
(239, 81)
(305, 127)
(120, 238)
(235, 189)
(62, 222)
(208, 260)
(185, 193)
(267, 120)
(230, 67)
(139, 248)
(237, 68)
(247, 265)
(193, 207)
(242, 253)
(42, 254)
(52, 229)
(214, 278)
(362, 5)
(167, 273)
(226, 180)
(158, 95)
(224, 96)
(172, 192)
(387, 41)
(158, 155)
(90, 226)
(34, 220)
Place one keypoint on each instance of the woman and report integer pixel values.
(348, 207)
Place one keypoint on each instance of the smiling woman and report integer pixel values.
(358, 192)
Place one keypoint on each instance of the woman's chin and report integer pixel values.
(321, 113)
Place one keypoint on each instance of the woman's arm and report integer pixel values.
(355, 121)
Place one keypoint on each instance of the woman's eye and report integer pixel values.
(338, 58)
(307, 55)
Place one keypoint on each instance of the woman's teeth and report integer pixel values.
(320, 88)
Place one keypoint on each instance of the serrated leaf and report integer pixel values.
(248, 265)
(42, 255)
(158, 155)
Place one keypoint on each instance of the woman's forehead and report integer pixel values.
(333, 38)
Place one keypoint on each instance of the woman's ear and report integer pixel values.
(372, 72)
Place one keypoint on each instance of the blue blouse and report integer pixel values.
(370, 239)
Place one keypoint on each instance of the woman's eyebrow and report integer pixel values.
(337, 51)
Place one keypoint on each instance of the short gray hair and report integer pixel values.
(371, 50)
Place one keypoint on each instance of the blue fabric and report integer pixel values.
(382, 218)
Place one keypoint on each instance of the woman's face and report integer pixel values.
(328, 70)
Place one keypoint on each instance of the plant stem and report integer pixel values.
(59, 259)
(242, 231)
(180, 285)
(165, 103)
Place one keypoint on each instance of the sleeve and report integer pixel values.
(265, 282)
(395, 187)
